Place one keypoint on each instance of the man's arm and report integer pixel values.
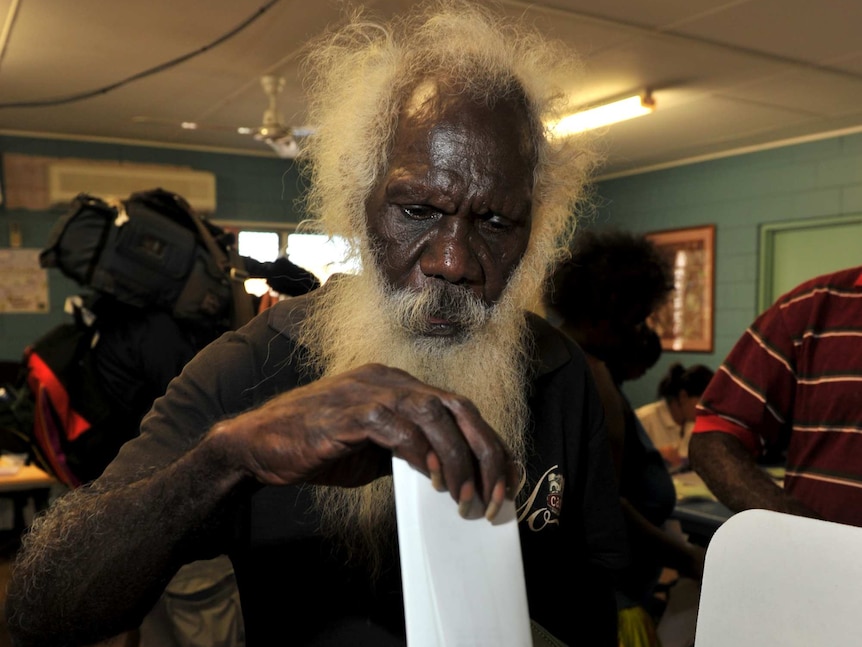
(731, 473)
(98, 560)
(93, 566)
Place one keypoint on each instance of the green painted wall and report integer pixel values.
(819, 179)
(247, 188)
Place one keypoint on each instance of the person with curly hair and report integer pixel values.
(275, 445)
(603, 296)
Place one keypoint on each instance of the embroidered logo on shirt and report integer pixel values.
(555, 494)
(548, 491)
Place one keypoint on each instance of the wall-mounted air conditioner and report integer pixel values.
(68, 179)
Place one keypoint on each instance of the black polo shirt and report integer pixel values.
(294, 584)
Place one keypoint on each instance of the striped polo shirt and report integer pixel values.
(798, 370)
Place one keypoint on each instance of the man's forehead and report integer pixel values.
(435, 103)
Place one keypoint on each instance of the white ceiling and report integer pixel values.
(727, 75)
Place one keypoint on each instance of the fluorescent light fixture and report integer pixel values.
(604, 115)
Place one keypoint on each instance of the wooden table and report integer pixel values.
(698, 511)
(28, 477)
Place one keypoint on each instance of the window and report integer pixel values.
(260, 245)
(265, 241)
(319, 254)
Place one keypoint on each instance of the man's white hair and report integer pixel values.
(359, 76)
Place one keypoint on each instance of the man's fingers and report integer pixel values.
(435, 471)
(452, 458)
(422, 430)
(397, 433)
(470, 458)
(441, 434)
(493, 457)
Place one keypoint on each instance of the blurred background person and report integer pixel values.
(283, 279)
(282, 275)
(669, 420)
(603, 296)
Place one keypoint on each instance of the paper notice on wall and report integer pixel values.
(24, 284)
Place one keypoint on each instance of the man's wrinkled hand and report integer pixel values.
(343, 430)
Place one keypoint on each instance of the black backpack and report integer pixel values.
(151, 250)
(62, 412)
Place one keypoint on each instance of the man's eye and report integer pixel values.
(496, 221)
(417, 212)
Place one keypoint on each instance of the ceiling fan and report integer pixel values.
(283, 139)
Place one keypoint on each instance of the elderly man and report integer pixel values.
(274, 446)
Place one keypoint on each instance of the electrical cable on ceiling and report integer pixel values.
(140, 75)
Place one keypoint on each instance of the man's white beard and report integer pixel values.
(357, 322)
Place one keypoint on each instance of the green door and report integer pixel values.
(793, 252)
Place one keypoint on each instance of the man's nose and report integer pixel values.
(450, 253)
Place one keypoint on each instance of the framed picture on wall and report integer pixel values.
(685, 321)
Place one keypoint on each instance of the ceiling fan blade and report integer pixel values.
(283, 139)
(272, 131)
(286, 148)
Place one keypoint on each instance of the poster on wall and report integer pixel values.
(685, 321)
(24, 288)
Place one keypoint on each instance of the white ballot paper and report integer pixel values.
(463, 579)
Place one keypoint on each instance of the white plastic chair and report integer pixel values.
(778, 579)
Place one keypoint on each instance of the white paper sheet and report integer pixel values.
(463, 579)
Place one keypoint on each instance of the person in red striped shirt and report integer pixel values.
(793, 379)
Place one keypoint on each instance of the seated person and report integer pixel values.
(669, 420)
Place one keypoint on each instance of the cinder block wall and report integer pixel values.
(737, 194)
